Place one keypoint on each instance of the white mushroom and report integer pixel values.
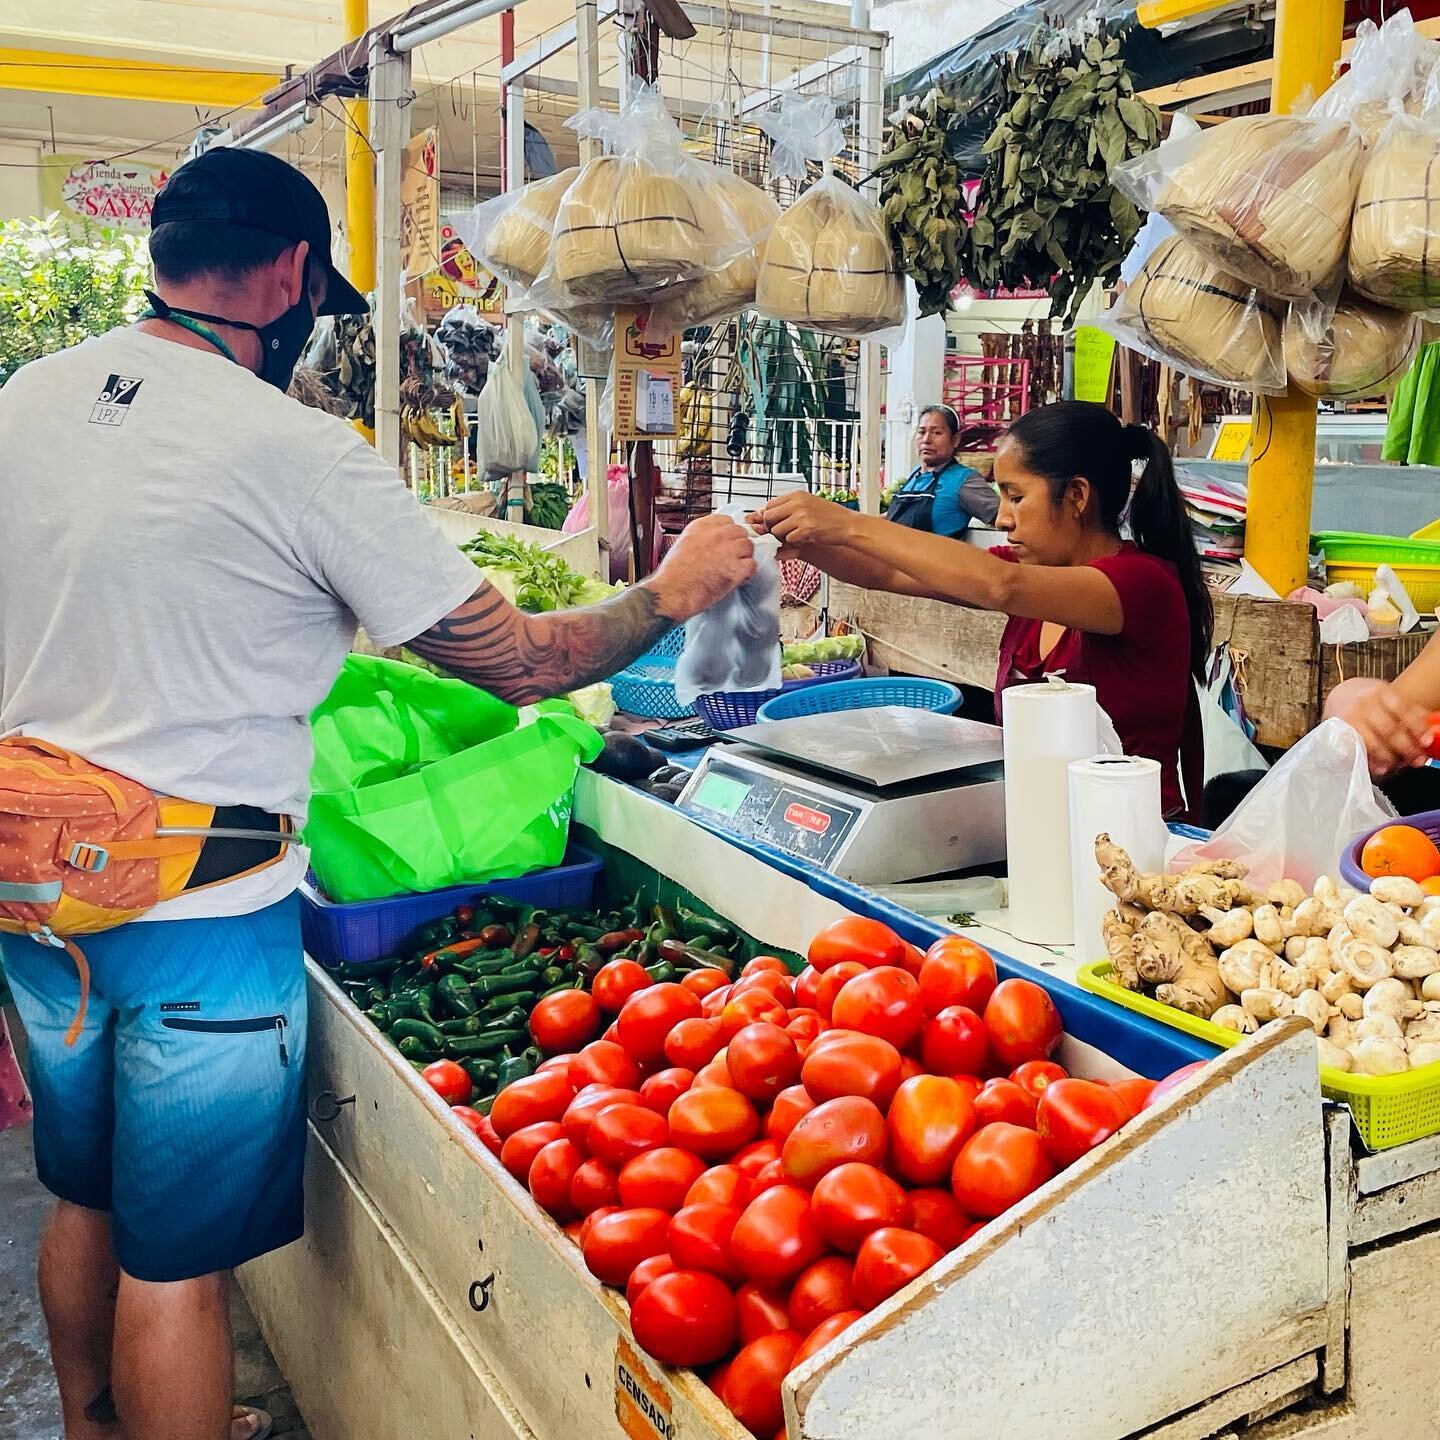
(1365, 963)
(1381, 1057)
(1246, 966)
(1286, 894)
(1378, 1027)
(1336, 985)
(1268, 928)
(1423, 1052)
(1295, 948)
(1229, 927)
(1342, 1032)
(1235, 1017)
(1332, 1055)
(1312, 1006)
(1351, 1006)
(1331, 892)
(1294, 979)
(1430, 987)
(1391, 997)
(1263, 1004)
(1314, 917)
(1373, 922)
(1414, 962)
(1397, 890)
(1425, 1025)
(1428, 907)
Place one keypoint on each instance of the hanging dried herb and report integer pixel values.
(1046, 207)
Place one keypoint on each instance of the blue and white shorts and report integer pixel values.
(180, 1110)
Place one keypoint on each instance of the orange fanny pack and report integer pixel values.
(83, 849)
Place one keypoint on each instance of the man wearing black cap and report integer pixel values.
(187, 554)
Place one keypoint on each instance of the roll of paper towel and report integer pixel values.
(1119, 795)
(1046, 727)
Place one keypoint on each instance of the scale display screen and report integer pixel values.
(722, 794)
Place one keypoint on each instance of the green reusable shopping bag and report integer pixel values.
(421, 782)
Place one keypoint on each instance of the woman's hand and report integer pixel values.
(799, 519)
(1396, 731)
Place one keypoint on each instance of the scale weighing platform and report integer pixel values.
(877, 796)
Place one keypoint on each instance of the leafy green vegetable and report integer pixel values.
(532, 578)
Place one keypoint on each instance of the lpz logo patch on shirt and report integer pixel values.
(115, 399)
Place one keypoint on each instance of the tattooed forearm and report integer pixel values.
(523, 658)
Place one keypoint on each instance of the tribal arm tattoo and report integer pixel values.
(523, 658)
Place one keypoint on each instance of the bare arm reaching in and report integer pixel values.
(523, 658)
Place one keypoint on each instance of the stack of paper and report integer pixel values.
(1217, 515)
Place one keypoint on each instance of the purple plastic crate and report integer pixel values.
(1350, 871)
(337, 934)
(730, 709)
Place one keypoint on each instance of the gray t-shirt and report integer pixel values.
(186, 552)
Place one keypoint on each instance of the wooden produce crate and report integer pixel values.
(1193, 1243)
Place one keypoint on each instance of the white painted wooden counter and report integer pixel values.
(1026, 1333)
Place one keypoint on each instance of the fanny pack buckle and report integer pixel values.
(90, 858)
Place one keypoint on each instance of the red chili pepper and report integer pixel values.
(454, 950)
(566, 952)
(546, 954)
(465, 914)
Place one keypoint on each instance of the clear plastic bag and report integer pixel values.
(828, 264)
(1360, 350)
(735, 645)
(1390, 66)
(1298, 821)
(617, 513)
(510, 234)
(507, 433)
(1186, 312)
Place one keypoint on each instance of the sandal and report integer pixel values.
(263, 1422)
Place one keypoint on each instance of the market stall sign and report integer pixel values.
(642, 1403)
(647, 376)
(1094, 358)
(1232, 440)
(420, 206)
(115, 194)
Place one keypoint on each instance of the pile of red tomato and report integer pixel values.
(757, 1164)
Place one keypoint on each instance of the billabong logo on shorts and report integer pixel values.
(114, 401)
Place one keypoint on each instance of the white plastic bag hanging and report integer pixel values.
(1297, 822)
(506, 433)
(735, 645)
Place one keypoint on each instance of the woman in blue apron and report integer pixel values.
(942, 495)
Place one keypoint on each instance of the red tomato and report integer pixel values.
(884, 1001)
(449, 1082)
(888, 1261)
(565, 1020)
(997, 1167)
(791, 1105)
(853, 1065)
(581, 1112)
(699, 1237)
(660, 1179)
(645, 1272)
(603, 1062)
(705, 981)
(772, 1174)
(610, 1035)
(555, 1062)
(973, 1228)
(552, 1173)
(777, 986)
(619, 1241)
(582, 1228)
(937, 1213)
(823, 1334)
(665, 1087)
(759, 1311)
(804, 1027)
(930, 1118)
(713, 1123)
(832, 982)
(1135, 1093)
(479, 1126)
(751, 1389)
(685, 1318)
(648, 1016)
(852, 1200)
(761, 963)
(955, 1042)
(721, 1185)
(762, 1060)
(1174, 1081)
(1035, 1075)
(1075, 1116)
(914, 959)
(956, 972)
(824, 1289)
(1023, 1022)
(850, 1128)
(616, 981)
(751, 1159)
(714, 1073)
(595, 1184)
(1004, 1102)
(694, 1043)
(620, 1132)
(867, 942)
(972, 1085)
(776, 1237)
(520, 1149)
(807, 987)
(750, 1007)
(714, 1003)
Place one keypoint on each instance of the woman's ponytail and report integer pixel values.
(1160, 526)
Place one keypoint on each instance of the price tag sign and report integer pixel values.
(647, 375)
(1232, 440)
(657, 415)
(1094, 357)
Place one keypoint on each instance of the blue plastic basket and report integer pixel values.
(646, 686)
(336, 934)
(729, 709)
(863, 695)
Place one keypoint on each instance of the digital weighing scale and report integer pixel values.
(877, 796)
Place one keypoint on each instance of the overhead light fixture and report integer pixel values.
(263, 137)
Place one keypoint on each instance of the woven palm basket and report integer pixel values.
(1395, 237)
(519, 242)
(1363, 352)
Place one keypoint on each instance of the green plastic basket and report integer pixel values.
(1344, 547)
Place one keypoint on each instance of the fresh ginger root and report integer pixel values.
(1123, 947)
(1220, 869)
(1161, 955)
(1179, 962)
(1122, 880)
(1187, 894)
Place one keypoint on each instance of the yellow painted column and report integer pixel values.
(359, 178)
(1308, 35)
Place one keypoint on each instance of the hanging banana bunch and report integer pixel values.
(695, 422)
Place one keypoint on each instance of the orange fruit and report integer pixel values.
(1401, 850)
(1431, 886)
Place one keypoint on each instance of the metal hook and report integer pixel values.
(481, 1304)
(327, 1106)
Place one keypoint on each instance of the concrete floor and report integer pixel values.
(29, 1404)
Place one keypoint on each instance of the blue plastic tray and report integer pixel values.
(337, 934)
(646, 686)
(861, 695)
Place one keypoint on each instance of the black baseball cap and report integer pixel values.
(229, 186)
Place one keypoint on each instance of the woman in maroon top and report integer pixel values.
(1132, 617)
